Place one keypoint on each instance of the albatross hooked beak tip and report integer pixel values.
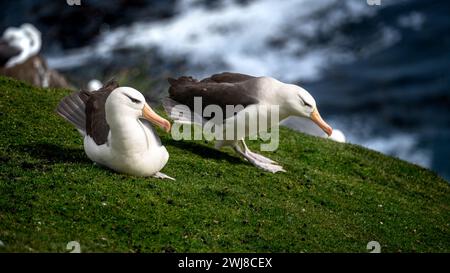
(315, 116)
(153, 117)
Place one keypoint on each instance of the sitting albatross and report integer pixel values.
(115, 134)
(250, 92)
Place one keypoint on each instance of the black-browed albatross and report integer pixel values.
(250, 92)
(115, 134)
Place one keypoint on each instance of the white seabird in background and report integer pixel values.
(308, 127)
(115, 134)
(94, 85)
(19, 44)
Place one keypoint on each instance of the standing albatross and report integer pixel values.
(116, 135)
(250, 92)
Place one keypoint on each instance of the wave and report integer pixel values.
(267, 37)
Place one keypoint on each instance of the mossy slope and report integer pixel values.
(333, 198)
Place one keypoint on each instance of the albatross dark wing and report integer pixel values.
(7, 52)
(228, 77)
(86, 110)
(96, 125)
(222, 89)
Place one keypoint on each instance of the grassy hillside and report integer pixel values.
(333, 198)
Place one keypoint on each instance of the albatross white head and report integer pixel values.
(34, 38)
(303, 104)
(125, 102)
(17, 38)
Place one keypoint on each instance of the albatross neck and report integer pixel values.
(130, 135)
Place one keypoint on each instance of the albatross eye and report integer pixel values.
(133, 99)
(306, 104)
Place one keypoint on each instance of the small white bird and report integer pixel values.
(94, 85)
(115, 133)
(337, 136)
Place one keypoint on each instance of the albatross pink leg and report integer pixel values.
(244, 151)
(257, 156)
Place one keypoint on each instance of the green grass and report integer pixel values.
(333, 198)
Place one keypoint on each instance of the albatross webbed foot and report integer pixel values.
(262, 158)
(256, 156)
(257, 160)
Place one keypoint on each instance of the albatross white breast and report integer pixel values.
(117, 134)
(250, 92)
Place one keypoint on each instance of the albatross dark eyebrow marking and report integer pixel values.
(133, 99)
(307, 104)
(304, 102)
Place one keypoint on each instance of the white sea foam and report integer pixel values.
(403, 146)
(241, 37)
(363, 131)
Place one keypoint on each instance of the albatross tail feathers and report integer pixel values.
(181, 113)
(72, 108)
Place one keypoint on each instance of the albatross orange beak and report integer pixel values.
(154, 118)
(315, 116)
